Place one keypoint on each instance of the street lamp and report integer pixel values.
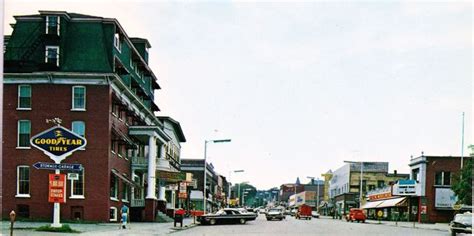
(235, 171)
(205, 166)
(361, 173)
(317, 189)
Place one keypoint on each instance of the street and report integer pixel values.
(291, 226)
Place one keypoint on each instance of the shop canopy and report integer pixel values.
(394, 202)
(374, 204)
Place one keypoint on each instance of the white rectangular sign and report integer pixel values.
(445, 198)
(73, 176)
(406, 189)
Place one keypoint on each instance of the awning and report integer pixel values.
(374, 204)
(196, 195)
(392, 202)
(124, 178)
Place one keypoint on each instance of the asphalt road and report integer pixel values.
(291, 226)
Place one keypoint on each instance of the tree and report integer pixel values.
(462, 182)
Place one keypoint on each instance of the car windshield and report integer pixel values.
(274, 210)
(465, 219)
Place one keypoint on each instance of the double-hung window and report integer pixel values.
(77, 186)
(23, 181)
(125, 192)
(79, 98)
(24, 97)
(443, 178)
(52, 25)
(114, 184)
(79, 127)
(24, 133)
(52, 55)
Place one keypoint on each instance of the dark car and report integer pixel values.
(275, 213)
(227, 216)
(462, 223)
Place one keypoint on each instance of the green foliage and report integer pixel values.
(62, 229)
(462, 184)
(471, 148)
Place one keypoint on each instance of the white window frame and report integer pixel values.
(18, 136)
(73, 196)
(117, 43)
(116, 185)
(85, 98)
(47, 54)
(19, 92)
(125, 186)
(18, 194)
(115, 214)
(58, 24)
(72, 129)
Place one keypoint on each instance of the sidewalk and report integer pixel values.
(436, 226)
(134, 228)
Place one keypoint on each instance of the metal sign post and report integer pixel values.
(57, 143)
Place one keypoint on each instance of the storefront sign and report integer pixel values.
(379, 196)
(58, 142)
(406, 188)
(445, 198)
(171, 176)
(183, 194)
(423, 210)
(57, 188)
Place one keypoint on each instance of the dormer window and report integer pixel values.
(52, 25)
(117, 43)
(52, 55)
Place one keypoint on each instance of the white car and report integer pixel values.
(314, 214)
(262, 211)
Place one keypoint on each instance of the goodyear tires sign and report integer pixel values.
(58, 142)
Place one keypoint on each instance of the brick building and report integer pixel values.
(88, 72)
(435, 174)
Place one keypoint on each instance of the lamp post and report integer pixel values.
(205, 166)
(317, 191)
(230, 172)
(361, 173)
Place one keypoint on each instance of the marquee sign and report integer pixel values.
(58, 142)
(407, 188)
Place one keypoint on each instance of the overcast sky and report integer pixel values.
(301, 87)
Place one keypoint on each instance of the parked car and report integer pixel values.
(227, 216)
(304, 211)
(262, 211)
(356, 214)
(315, 214)
(462, 223)
(275, 213)
(293, 212)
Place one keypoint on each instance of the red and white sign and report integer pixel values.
(57, 188)
(182, 191)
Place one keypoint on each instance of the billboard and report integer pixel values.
(445, 198)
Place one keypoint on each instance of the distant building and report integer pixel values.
(344, 188)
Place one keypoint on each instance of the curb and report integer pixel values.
(406, 226)
(176, 229)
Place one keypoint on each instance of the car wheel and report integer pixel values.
(242, 221)
(453, 233)
(212, 221)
